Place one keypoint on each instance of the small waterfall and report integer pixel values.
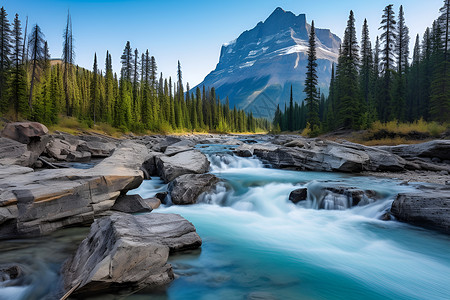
(223, 161)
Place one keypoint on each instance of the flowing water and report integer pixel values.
(259, 245)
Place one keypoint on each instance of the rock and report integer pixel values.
(436, 160)
(329, 156)
(162, 145)
(185, 189)
(14, 153)
(443, 172)
(244, 151)
(24, 132)
(296, 143)
(131, 204)
(181, 146)
(149, 165)
(154, 203)
(37, 203)
(430, 209)
(10, 272)
(298, 195)
(189, 162)
(32, 134)
(386, 217)
(162, 196)
(355, 196)
(97, 148)
(78, 156)
(128, 251)
(433, 149)
(58, 148)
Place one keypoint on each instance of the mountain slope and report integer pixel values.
(257, 69)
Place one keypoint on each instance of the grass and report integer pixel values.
(432, 128)
(396, 133)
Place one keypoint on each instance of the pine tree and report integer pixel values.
(291, 112)
(5, 51)
(347, 78)
(68, 57)
(366, 63)
(127, 63)
(402, 52)
(413, 85)
(312, 102)
(36, 45)
(388, 40)
(94, 90)
(18, 83)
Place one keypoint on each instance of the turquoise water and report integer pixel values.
(259, 245)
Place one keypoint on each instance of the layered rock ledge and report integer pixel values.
(34, 203)
(125, 251)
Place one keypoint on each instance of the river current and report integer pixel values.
(259, 245)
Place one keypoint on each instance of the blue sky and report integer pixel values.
(191, 31)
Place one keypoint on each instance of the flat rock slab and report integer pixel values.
(128, 251)
(429, 208)
(37, 203)
(188, 162)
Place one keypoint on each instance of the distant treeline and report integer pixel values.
(34, 87)
(377, 83)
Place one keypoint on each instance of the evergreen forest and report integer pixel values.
(35, 87)
(377, 83)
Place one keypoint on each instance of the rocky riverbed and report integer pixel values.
(39, 194)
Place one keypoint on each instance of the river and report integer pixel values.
(259, 245)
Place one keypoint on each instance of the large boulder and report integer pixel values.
(128, 251)
(37, 203)
(430, 208)
(189, 162)
(185, 189)
(24, 132)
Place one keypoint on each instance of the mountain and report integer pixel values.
(257, 69)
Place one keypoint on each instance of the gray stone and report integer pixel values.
(161, 196)
(77, 156)
(181, 146)
(430, 209)
(244, 150)
(298, 195)
(189, 162)
(14, 153)
(128, 251)
(433, 149)
(97, 148)
(131, 204)
(185, 189)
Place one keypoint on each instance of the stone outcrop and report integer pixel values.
(37, 203)
(188, 162)
(433, 149)
(318, 155)
(128, 251)
(185, 189)
(430, 208)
